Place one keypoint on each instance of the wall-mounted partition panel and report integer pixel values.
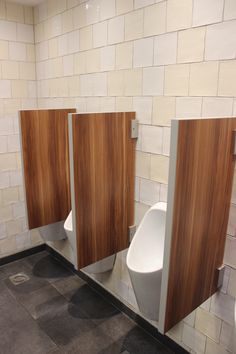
(200, 183)
(103, 169)
(45, 155)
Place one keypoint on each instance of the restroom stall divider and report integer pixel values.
(102, 183)
(202, 163)
(45, 157)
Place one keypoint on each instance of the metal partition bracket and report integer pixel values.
(134, 128)
(221, 272)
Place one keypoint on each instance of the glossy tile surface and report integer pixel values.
(56, 312)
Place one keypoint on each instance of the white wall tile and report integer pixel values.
(143, 108)
(123, 6)
(8, 30)
(194, 339)
(166, 141)
(179, 14)
(124, 55)
(207, 11)
(149, 191)
(25, 33)
(231, 223)
(159, 168)
(15, 178)
(230, 250)
(3, 232)
(222, 306)
(142, 3)
(17, 51)
(5, 89)
(143, 52)
(68, 65)
(152, 139)
(228, 337)
(176, 80)
(3, 144)
(116, 28)
(163, 193)
(73, 42)
(191, 45)
(13, 143)
(18, 210)
(188, 107)
(100, 34)
(155, 19)
(230, 10)
(143, 164)
(153, 81)
(4, 179)
(108, 9)
(92, 11)
(165, 49)
(227, 78)
(220, 44)
(217, 107)
(208, 324)
(232, 283)
(163, 110)
(107, 58)
(214, 348)
(134, 25)
(203, 79)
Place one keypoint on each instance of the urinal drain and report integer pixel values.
(19, 278)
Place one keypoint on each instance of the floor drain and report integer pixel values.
(19, 278)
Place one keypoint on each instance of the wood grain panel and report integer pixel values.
(45, 149)
(104, 163)
(204, 175)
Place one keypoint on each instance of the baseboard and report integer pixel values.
(144, 324)
(22, 254)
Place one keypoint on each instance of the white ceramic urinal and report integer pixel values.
(104, 265)
(145, 260)
(68, 226)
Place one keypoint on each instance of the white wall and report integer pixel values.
(17, 91)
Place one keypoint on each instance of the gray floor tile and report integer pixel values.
(24, 337)
(68, 286)
(49, 268)
(94, 341)
(44, 302)
(27, 287)
(92, 304)
(139, 342)
(64, 329)
(56, 312)
(117, 326)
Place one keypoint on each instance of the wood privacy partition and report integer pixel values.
(103, 164)
(45, 150)
(204, 167)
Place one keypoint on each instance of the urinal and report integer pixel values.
(104, 265)
(145, 260)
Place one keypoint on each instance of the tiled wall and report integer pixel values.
(17, 90)
(163, 59)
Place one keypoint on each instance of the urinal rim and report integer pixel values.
(162, 207)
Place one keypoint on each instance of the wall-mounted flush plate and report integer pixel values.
(132, 230)
(221, 271)
(134, 128)
(234, 142)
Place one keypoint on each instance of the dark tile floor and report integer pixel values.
(57, 312)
